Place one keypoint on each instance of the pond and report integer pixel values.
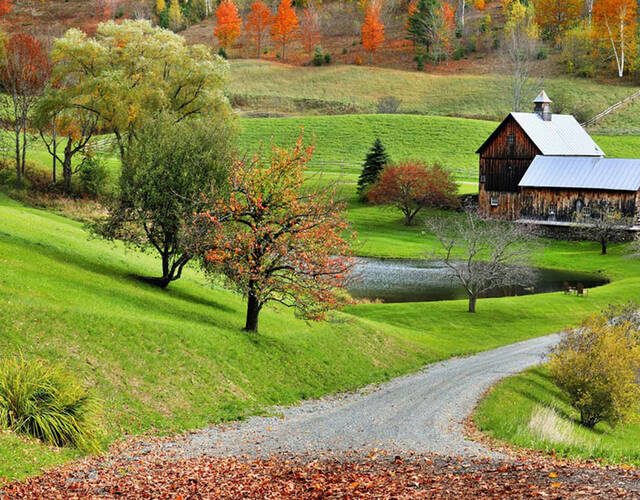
(407, 280)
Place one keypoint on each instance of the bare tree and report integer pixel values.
(604, 228)
(484, 255)
(518, 51)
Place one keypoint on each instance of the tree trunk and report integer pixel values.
(67, 168)
(253, 310)
(407, 218)
(472, 303)
(18, 166)
(603, 246)
(54, 145)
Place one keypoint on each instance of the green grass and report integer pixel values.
(273, 87)
(624, 121)
(517, 411)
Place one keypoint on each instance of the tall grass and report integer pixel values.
(43, 401)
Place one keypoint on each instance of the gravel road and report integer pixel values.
(421, 413)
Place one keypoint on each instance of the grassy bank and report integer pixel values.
(528, 410)
(273, 87)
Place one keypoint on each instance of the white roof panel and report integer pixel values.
(561, 136)
(579, 172)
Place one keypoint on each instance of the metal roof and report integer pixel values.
(560, 136)
(579, 172)
(542, 97)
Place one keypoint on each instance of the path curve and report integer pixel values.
(421, 412)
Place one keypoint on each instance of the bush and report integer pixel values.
(327, 58)
(458, 53)
(43, 401)
(317, 57)
(93, 176)
(344, 51)
(542, 54)
(222, 53)
(388, 105)
(358, 61)
(419, 62)
(597, 366)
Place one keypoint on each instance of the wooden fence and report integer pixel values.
(350, 167)
(611, 109)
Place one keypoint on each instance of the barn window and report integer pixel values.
(494, 201)
(511, 139)
(586, 211)
(483, 179)
(552, 210)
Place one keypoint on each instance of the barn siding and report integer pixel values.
(502, 166)
(535, 202)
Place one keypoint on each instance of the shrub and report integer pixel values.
(597, 366)
(327, 58)
(93, 176)
(388, 105)
(358, 61)
(222, 53)
(419, 62)
(542, 54)
(458, 53)
(43, 401)
(344, 51)
(317, 57)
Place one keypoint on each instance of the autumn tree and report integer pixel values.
(284, 28)
(483, 255)
(372, 29)
(125, 88)
(555, 18)
(168, 169)
(412, 186)
(445, 32)
(310, 29)
(258, 24)
(614, 25)
(276, 241)
(5, 7)
(229, 24)
(24, 72)
(518, 50)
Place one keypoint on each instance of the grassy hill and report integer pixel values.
(279, 88)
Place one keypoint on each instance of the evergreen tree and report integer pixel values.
(422, 24)
(375, 161)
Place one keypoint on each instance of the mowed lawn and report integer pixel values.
(274, 87)
(528, 410)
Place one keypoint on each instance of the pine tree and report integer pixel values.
(374, 163)
(422, 23)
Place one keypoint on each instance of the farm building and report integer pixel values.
(546, 167)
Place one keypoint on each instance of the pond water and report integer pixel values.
(407, 280)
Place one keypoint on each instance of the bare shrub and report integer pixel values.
(388, 104)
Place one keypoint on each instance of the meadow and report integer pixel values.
(528, 410)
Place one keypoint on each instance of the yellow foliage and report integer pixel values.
(160, 6)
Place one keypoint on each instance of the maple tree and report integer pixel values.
(310, 29)
(229, 24)
(24, 71)
(372, 29)
(275, 240)
(445, 31)
(614, 24)
(412, 186)
(554, 18)
(284, 28)
(5, 7)
(258, 23)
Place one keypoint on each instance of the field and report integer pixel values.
(529, 411)
(277, 88)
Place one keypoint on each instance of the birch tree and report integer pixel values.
(614, 24)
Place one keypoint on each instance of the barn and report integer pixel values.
(545, 167)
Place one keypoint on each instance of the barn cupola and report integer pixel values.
(542, 106)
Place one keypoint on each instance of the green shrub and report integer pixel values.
(458, 53)
(43, 401)
(344, 50)
(222, 53)
(597, 366)
(93, 176)
(327, 58)
(317, 57)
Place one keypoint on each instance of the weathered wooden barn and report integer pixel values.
(546, 167)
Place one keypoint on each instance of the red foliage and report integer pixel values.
(229, 24)
(26, 66)
(258, 23)
(411, 186)
(276, 241)
(372, 29)
(310, 29)
(5, 7)
(285, 25)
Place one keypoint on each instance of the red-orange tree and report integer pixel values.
(276, 241)
(24, 71)
(5, 7)
(229, 24)
(285, 25)
(372, 29)
(412, 186)
(614, 24)
(258, 23)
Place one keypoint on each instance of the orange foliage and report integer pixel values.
(446, 28)
(372, 29)
(229, 24)
(310, 29)
(258, 23)
(556, 16)
(479, 4)
(285, 25)
(614, 23)
(5, 7)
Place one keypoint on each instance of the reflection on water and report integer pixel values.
(406, 280)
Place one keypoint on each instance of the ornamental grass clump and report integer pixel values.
(598, 367)
(43, 401)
